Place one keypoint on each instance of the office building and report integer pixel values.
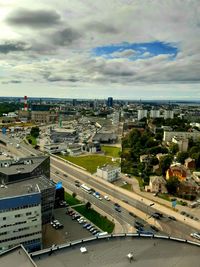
(110, 102)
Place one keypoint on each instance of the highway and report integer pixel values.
(174, 228)
(127, 202)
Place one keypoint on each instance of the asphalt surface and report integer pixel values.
(174, 228)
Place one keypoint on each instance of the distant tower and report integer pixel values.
(110, 102)
(25, 103)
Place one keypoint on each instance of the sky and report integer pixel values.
(127, 49)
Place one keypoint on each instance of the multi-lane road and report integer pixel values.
(170, 227)
(129, 203)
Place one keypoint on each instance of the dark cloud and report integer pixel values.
(9, 46)
(65, 37)
(12, 81)
(101, 27)
(33, 19)
(59, 78)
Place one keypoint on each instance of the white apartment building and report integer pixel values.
(155, 113)
(168, 136)
(168, 114)
(142, 113)
(182, 143)
(109, 173)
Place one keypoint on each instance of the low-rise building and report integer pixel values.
(109, 173)
(190, 163)
(156, 184)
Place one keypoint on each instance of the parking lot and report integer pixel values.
(72, 230)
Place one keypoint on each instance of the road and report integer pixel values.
(174, 228)
(128, 203)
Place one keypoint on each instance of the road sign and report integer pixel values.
(174, 203)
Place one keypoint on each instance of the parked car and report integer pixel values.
(86, 225)
(183, 212)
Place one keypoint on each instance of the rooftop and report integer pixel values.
(17, 257)
(26, 186)
(23, 165)
(108, 168)
(113, 252)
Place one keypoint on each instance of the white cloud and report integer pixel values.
(59, 54)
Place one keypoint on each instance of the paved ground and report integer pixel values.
(113, 252)
(72, 230)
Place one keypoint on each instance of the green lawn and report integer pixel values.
(33, 140)
(100, 221)
(111, 151)
(127, 187)
(90, 163)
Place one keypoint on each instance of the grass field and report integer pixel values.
(100, 221)
(90, 163)
(127, 187)
(111, 151)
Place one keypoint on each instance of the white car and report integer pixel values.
(195, 235)
(107, 198)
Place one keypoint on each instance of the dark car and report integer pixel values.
(139, 224)
(77, 183)
(172, 218)
(65, 175)
(155, 216)
(159, 214)
(132, 214)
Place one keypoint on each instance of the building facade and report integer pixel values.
(109, 173)
(20, 218)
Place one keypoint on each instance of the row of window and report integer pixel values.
(19, 237)
(19, 208)
(12, 224)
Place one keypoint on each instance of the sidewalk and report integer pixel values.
(156, 199)
(166, 209)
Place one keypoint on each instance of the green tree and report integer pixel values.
(165, 163)
(88, 205)
(73, 194)
(173, 148)
(182, 156)
(172, 184)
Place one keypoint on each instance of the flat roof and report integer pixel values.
(112, 252)
(21, 165)
(109, 168)
(27, 186)
(16, 257)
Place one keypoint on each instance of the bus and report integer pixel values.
(86, 188)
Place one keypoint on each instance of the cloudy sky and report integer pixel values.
(128, 49)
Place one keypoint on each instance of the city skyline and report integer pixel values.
(124, 49)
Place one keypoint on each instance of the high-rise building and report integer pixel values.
(110, 102)
(155, 113)
(142, 113)
(168, 114)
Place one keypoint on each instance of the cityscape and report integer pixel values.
(99, 133)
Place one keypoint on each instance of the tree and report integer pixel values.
(165, 163)
(173, 148)
(182, 156)
(172, 184)
(88, 205)
(35, 131)
(73, 194)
